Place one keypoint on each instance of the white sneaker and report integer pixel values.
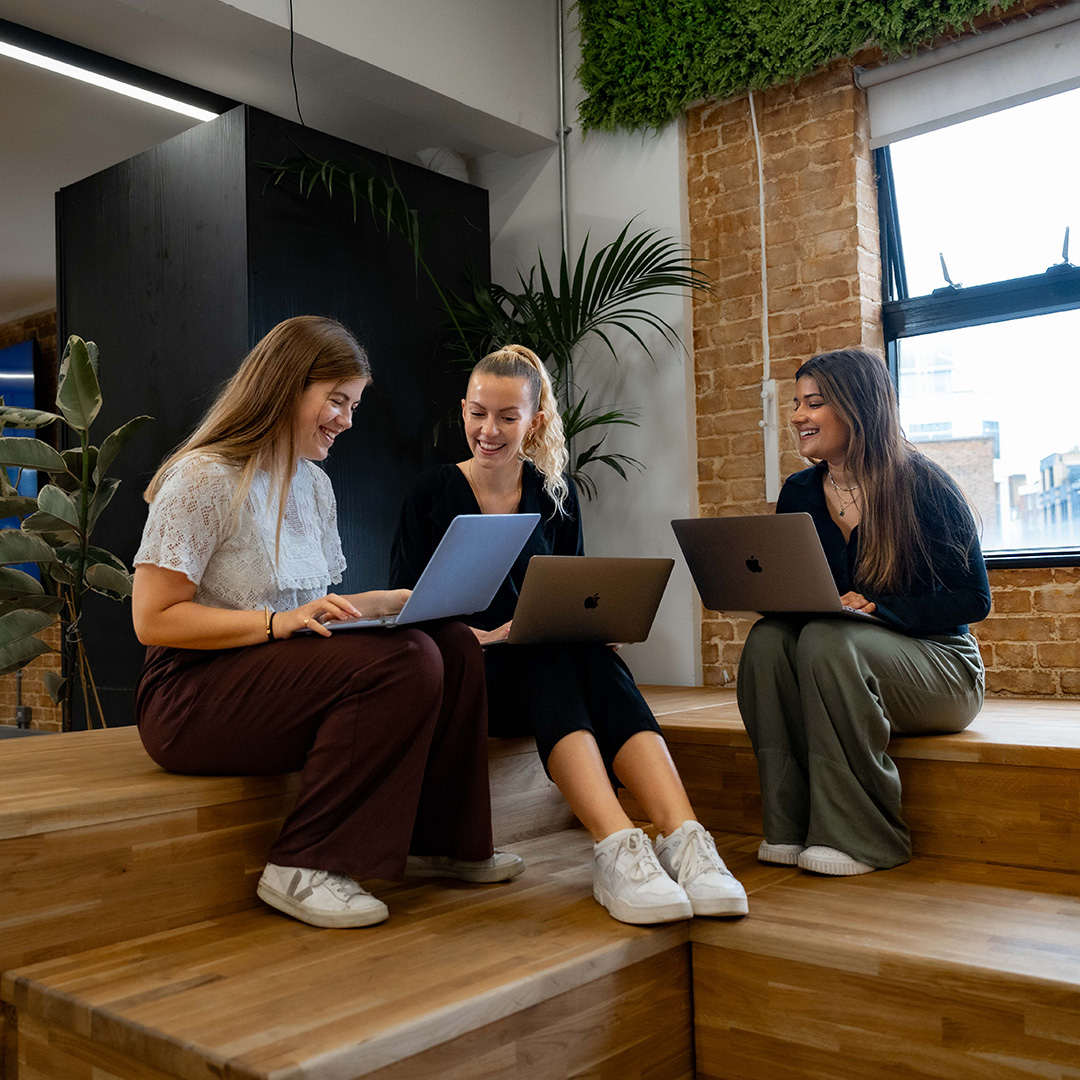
(502, 866)
(630, 882)
(319, 897)
(829, 860)
(689, 855)
(782, 854)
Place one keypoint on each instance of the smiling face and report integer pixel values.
(498, 415)
(324, 412)
(822, 435)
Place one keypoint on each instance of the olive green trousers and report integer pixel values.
(821, 699)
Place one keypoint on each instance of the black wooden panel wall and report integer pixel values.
(180, 259)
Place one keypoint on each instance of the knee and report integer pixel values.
(825, 642)
(769, 641)
(418, 662)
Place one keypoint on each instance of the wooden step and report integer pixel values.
(1005, 791)
(98, 844)
(936, 969)
(531, 979)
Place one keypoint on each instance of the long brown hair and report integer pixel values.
(546, 446)
(893, 541)
(252, 422)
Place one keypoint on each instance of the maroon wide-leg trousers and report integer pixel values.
(389, 728)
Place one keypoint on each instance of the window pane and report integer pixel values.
(994, 406)
(993, 194)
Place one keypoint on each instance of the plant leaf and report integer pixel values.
(25, 418)
(78, 395)
(54, 686)
(108, 581)
(21, 653)
(17, 546)
(51, 604)
(17, 505)
(114, 444)
(18, 583)
(25, 453)
(51, 500)
(16, 625)
(106, 490)
(46, 525)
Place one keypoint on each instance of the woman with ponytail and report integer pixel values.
(821, 697)
(592, 727)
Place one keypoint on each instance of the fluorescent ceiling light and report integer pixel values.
(84, 75)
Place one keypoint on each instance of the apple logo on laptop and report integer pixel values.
(592, 601)
(753, 565)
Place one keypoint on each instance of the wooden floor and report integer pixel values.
(134, 948)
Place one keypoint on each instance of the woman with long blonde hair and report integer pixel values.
(821, 697)
(592, 727)
(243, 674)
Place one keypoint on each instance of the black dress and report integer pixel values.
(547, 691)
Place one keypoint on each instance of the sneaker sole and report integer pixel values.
(642, 916)
(835, 869)
(778, 858)
(727, 905)
(488, 875)
(326, 920)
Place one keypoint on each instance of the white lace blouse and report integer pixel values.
(232, 564)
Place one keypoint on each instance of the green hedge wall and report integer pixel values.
(644, 60)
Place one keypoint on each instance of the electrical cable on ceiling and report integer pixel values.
(292, 65)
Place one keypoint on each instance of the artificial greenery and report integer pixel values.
(642, 63)
(590, 298)
(56, 530)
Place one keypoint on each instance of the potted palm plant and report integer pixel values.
(555, 316)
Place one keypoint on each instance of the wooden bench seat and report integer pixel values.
(260, 995)
(934, 969)
(947, 967)
(1006, 790)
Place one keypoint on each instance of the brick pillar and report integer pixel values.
(824, 279)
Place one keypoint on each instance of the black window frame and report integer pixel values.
(953, 308)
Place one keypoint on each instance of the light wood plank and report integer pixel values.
(934, 969)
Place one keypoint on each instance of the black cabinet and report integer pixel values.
(177, 261)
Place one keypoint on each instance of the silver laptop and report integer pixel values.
(581, 598)
(772, 563)
(464, 573)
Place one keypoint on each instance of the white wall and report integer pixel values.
(612, 178)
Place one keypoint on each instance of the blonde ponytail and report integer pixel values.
(545, 446)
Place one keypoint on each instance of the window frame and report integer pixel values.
(953, 308)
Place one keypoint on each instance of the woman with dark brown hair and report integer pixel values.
(821, 697)
(388, 727)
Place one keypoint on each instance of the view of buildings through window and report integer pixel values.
(995, 404)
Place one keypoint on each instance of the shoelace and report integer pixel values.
(341, 885)
(698, 854)
(643, 864)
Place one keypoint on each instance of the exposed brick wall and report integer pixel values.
(45, 715)
(824, 278)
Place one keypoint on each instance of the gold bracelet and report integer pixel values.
(266, 615)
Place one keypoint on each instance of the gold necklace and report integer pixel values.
(840, 498)
(476, 492)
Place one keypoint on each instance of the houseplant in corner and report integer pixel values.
(56, 529)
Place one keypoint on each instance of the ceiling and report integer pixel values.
(57, 131)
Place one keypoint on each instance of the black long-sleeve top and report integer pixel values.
(949, 591)
(439, 495)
